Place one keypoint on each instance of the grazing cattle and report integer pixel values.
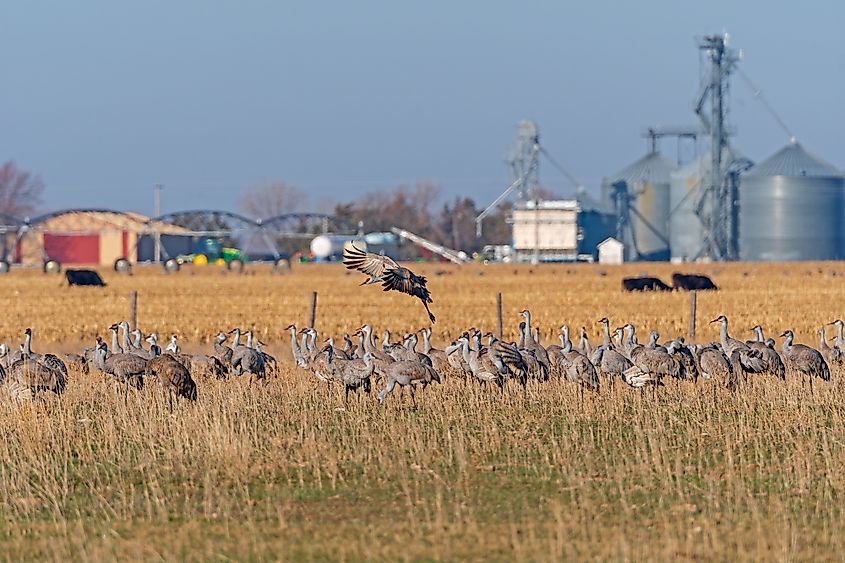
(692, 281)
(643, 284)
(84, 277)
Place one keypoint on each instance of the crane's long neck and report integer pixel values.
(522, 335)
(840, 339)
(787, 344)
(412, 343)
(367, 341)
(125, 340)
(114, 345)
(385, 341)
(758, 333)
(426, 342)
(585, 342)
(723, 334)
(236, 341)
(100, 358)
(652, 340)
(822, 342)
(567, 344)
(606, 328)
(465, 352)
(294, 347)
(27, 346)
(249, 339)
(304, 344)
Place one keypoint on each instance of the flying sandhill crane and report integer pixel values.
(353, 374)
(407, 374)
(808, 361)
(173, 377)
(385, 270)
(833, 356)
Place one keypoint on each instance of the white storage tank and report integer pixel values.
(326, 247)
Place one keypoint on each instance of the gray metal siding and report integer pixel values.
(791, 218)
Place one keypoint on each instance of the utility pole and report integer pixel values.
(157, 211)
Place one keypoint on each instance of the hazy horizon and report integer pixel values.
(105, 100)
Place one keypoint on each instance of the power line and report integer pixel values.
(758, 95)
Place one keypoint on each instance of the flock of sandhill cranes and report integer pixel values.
(27, 374)
(481, 357)
(474, 356)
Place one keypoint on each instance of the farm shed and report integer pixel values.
(87, 236)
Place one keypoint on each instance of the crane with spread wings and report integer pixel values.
(386, 271)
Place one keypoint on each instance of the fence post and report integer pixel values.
(133, 310)
(499, 314)
(312, 314)
(692, 306)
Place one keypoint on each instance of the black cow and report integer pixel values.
(84, 277)
(689, 282)
(643, 284)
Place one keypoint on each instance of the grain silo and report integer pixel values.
(686, 233)
(791, 208)
(647, 185)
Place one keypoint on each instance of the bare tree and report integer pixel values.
(269, 200)
(20, 191)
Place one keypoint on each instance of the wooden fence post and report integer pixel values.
(499, 314)
(692, 306)
(312, 314)
(133, 310)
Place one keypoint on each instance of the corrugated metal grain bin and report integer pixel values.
(792, 207)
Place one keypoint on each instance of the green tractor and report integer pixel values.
(212, 251)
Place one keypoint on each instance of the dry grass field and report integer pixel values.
(281, 471)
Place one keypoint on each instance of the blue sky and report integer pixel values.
(105, 98)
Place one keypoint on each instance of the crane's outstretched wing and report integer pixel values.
(406, 281)
(374, 265)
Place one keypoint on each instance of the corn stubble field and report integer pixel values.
(282, 471)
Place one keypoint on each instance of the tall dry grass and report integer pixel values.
(281, 471)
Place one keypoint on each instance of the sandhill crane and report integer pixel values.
(25, 350)
(513, 362)
(685, 356)
(295, 350)
(380, 359)
(155, 349)
(773, 363)
(27, 377)
(173, 377)
(651, 365)
(754, 363)
(126, 369)
(411, 345)
(839, 339)
(224, 353)
(385, 270)
(584, 343)
(439, 359)
(713, 364)
(652, 342)
(481, 365)
(808, 361)
(249, 360)
(407, 374)
(833, 356)
(173, 346)
(354, 374)
(575, 366)
(532, 344)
